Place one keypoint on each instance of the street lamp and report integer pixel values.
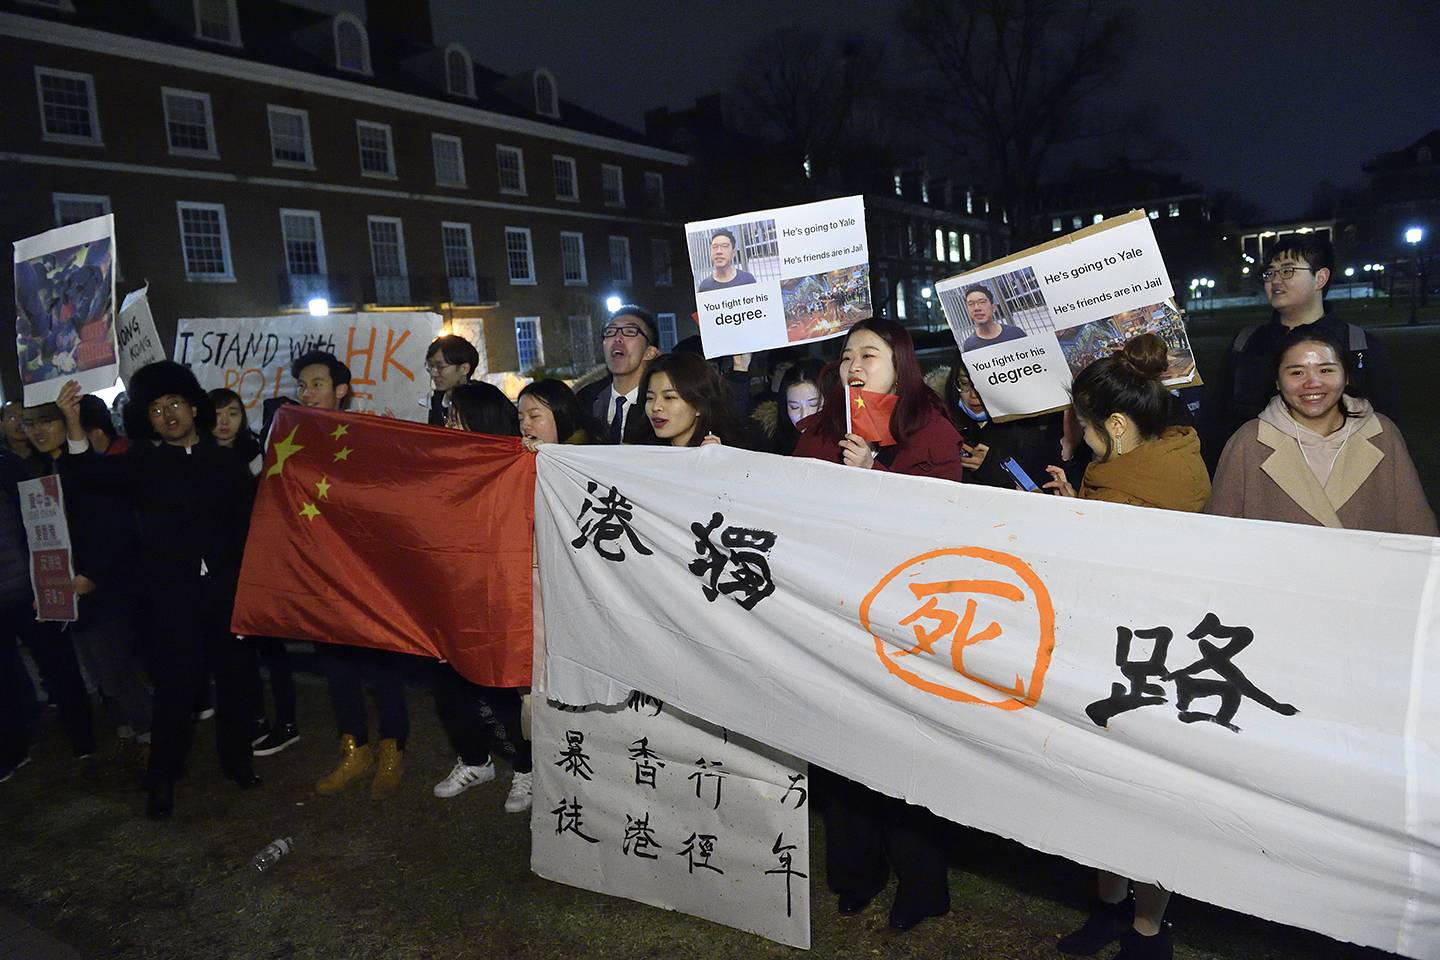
(613, 303)
(319, 307)
(1415, 236)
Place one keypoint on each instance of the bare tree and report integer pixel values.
(1004, 83)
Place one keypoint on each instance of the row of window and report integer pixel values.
(69, 114)
(1057, 224)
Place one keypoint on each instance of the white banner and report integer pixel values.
(773, 278)
(1027, 323)
(645, 802)
(139, 343)
(1244, 712)
(252, 355)
(65, 309)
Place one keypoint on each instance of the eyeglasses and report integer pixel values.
(434, 368)
(628, 332)
(159, 407)
(1284, 273)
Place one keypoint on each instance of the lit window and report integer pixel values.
(1097, 218)
(352, 46)
(655, 191)
(1154, 214)
(290, 137)
(217, 20)
(67, 106)
(387, 259)
(900, 299)
(660, 262)
(939, 244)
(1174, 210)
(613, 181)
(459, 74)
(954, 247)
(572, 259)
(924, 191)
(377, 150)
(205, 241)
(304, 243)
(189, 126)
(75, 207)
(1076, 223)
(519, 255)
(969, 202)
(899, 186)
(511, 162)
(459, 252)
(966, 241)
(529, 352)
(449, 160)
(620, 260)
(547, 101)
(1056, 226)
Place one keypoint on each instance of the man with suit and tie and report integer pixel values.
(630, 341)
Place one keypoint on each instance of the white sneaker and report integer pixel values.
(520, 792)
(463, 777)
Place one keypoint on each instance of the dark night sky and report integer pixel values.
(1265, 98)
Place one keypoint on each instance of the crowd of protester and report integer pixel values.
(1298, 424)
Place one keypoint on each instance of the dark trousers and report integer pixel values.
(189, 637)
(480, 721)
(276, 659)
(348, 670)
(14, 740)
(867, 834)
(54, 655)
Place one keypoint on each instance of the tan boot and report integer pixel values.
(355, 762)
(388, 771)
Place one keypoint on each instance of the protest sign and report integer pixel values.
(778, 277)
(65, 309)
(1216, 717)
(139, 343)
(52, 572)
(1028, 323)
(646, 802)
(252, 355)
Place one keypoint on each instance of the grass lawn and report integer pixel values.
(416, 877)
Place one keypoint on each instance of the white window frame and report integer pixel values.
(582, 336)
(213, 151)
(557, 160)
(605, 169)
(539, 360)
(95, 139)
(58, 198)
(229, 275)
(469, 252)
(234, 40)
(435, 140)
(469, 91)
(584, 277)
(400, 244)
(309, 162)
(313, 215)
(623, 245)
(355, 21)
(528, 281)
(554, 107)
(389, 149)
(657, 244)
(661, 328)
(502, 151)
(655, 189)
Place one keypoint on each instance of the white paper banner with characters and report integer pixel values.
(1244, 712)
(1028, 323)
(252, 355)
(774, 278)
(139, 343)
(646, 802)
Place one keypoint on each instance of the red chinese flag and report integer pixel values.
(870, 415)
(384, 533)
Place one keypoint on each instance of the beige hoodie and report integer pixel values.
(1319, 451)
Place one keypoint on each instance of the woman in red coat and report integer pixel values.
(865, 829)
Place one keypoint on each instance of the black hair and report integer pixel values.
(46, 411)
(977, 288)
(646, 318)
(339, 373)
(160, 379)
(700, 385)
(483, 408)
(726, 234)
(1313, 248)
(246, 443)
(571, 423)
(94, 415)
(951, 396)
(810, 370)
(1314, 333)
(455, 350)
(1129, 381)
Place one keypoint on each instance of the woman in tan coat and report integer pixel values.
(1319, 457)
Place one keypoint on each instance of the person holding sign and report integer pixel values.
(980, 305)
(1316, 456)
(867, 833)
(689, 404)
(722, 258)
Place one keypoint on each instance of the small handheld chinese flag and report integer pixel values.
(869, 415)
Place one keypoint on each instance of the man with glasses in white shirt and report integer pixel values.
(630, 342)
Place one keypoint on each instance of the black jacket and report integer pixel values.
(104, 541)
(1034, 442)
(595, 400)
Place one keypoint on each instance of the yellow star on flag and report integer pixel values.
(340, 431)
(284, 450)
(859, 400)
(309, 511)
(322, 488)
(343, 453)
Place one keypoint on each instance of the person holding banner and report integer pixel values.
(1317, 456)
(1123, 407)
(192, 498)
(550, 413)
(868, 833)
(689, 404)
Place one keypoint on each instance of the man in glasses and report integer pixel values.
(450, 361)
(630, 341)
(1295, 278)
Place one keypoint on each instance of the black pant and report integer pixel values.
(347, 671)
(14, 740)
(193, 633)
(865, 829)
(480, 720)
(276, 659)
(54, 655)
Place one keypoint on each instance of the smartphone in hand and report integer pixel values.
(1021, 477)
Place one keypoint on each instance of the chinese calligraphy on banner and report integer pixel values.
(1235, 726)
(645, 802)
(52, 573)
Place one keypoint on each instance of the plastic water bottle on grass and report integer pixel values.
(268, 857)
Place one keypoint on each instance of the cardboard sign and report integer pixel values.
(52, 572)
